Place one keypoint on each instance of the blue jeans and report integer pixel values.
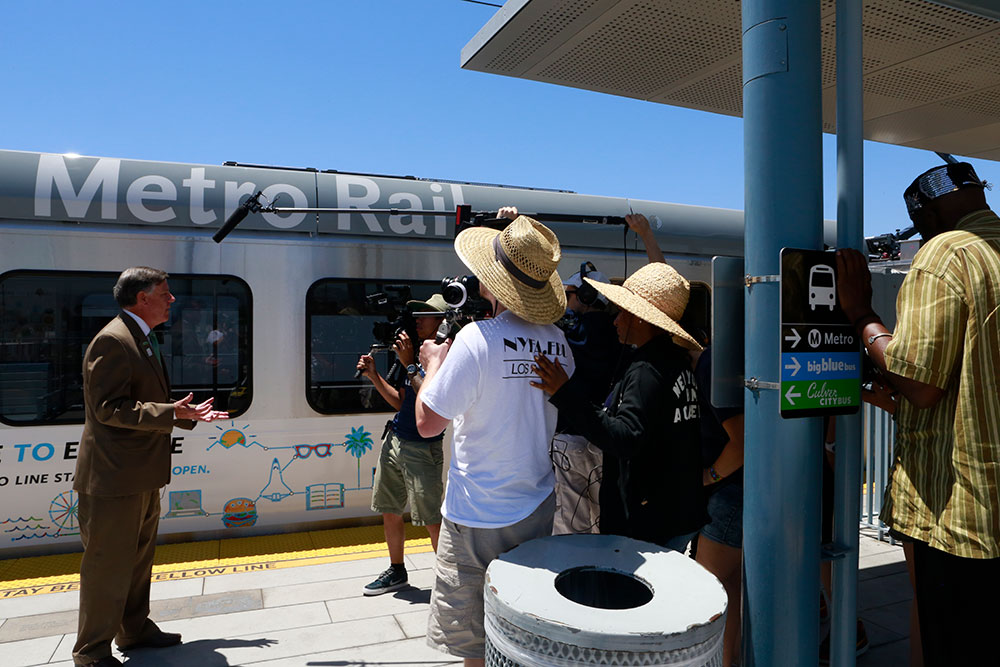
(681, 542)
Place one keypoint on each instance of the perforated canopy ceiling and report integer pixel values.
(931, 70)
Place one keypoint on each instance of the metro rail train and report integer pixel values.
(270, 321)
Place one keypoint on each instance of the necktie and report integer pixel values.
(154, 345)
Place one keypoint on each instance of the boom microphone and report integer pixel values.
(237, 217)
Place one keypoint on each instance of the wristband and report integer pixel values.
(714, 475)
(872, 339)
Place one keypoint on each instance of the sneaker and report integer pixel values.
(388, 581)
(862, 645)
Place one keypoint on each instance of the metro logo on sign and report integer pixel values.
(820, 355)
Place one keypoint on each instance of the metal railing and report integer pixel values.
(879, 432)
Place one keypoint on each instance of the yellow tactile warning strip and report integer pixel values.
(21, 577)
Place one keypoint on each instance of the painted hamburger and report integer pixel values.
(239, 513)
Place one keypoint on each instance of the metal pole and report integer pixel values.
(850, 234)
(784, 197)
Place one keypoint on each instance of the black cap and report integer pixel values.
(939, 181)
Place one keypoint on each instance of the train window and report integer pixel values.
(48, 318)
(340, 318)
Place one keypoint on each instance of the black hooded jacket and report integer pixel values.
(650, 435)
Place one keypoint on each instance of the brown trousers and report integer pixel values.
(119, 539)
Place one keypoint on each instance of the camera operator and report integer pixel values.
(410, 465)
(500, 480)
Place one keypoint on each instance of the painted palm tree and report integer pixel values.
(357, 442)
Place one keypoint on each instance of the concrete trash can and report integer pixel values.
(601, 600)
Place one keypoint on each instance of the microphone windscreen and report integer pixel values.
(235, 219)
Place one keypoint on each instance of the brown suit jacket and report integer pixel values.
(125, 447)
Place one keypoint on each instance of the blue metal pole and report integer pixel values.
(784, 197)
(850, 234)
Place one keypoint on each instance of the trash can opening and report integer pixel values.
(604, 589)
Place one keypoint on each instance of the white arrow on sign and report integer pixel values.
(795, 338)
(789, 395)
(794, 366)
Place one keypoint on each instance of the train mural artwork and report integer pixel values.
(233, 478)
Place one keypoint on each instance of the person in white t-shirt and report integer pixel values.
(500, 481)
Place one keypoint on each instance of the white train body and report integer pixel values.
(271, 321)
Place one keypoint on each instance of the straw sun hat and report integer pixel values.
(657, 294)
(518, 265)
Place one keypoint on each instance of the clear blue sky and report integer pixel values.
(370, 86)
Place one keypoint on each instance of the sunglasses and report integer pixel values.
(303, 451)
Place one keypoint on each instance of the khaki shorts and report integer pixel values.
(455, 624)
(578, 468)
(409, 471)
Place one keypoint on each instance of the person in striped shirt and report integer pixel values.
(943, 360)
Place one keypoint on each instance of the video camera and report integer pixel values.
(887, 246)
(392, 304)
(461, 293)
(569, 322)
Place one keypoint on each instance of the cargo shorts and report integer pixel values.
(456, 621)
(409, 471)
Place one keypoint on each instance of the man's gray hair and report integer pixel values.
(134, 280)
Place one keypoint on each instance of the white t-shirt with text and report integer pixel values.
(500, 468)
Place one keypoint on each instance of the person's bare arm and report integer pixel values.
(432, 355)
(854, 288)
(392, 396)
(881, 396)
(638, 223)
(730, 459)
(407, 356)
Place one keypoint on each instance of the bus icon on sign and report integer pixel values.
(821, 288)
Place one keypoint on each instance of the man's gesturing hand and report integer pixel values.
(202, 412)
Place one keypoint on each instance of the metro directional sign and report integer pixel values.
(820, 353)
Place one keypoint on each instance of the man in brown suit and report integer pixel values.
(124, 461)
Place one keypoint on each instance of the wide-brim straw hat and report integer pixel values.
(657, 294)
(518, 265)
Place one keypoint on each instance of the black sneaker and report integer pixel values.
(388, 581)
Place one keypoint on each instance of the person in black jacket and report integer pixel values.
(648, 429)
(593, 340)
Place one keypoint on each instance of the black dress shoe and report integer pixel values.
(159, 639)
(110, 661)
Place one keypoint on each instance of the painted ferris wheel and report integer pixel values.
(63, 512)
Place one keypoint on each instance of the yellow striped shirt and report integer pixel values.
(944, 487)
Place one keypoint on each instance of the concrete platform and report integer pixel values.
(315, 615)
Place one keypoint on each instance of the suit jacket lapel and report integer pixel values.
(142, 342)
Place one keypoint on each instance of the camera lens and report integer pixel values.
(456, 291)
(454, 294)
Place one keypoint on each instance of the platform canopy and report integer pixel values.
(931, 69)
